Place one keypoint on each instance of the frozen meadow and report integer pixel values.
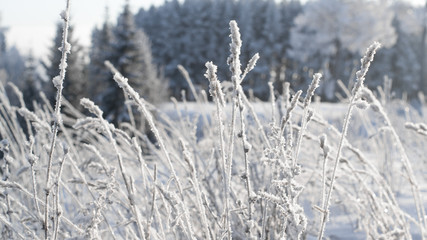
(230, 168)
(372, 195)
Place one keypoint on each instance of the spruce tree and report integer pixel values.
(101, 50)
(32, 83)
(75, 79)
(14, 65)
(164, 26)
(131, 55)
(2, 39)
(3, 74)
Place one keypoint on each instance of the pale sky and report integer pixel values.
(32, 22)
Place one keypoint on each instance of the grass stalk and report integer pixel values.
(360, 77)
(307, 100)
(123, 83)
(58, 81)
(57, 204)
(218, 96)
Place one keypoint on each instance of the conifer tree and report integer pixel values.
(131, 55)
(2, 39)
(394, 63)
(32, 83)
(12, 63)
(3, 73)
(75, 79)
(101, 50)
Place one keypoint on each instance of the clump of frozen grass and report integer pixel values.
(377, 107)
(285, 190)
(237, 181)
(107, 128)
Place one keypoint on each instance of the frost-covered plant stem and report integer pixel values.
(142, 162)
(286, 120)
(33, 178)
(237, 79)
(234, 62)
(360, 78)
(57, 205)
(307, 100)
(22, 103)
(187, 78)
(273, 103)
(200, 100)
(336, 161)
(325, 148)
(153, 203)
(245, 144)
(218, 96)
(32, 160)
(419, 128)
(246, 148)
(229, 153)
(256, 118)
(58, 81)
(123, 83)
(196, 185)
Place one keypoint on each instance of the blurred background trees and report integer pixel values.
(129, 50)
(294, 40)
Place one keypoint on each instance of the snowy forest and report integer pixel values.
(220, 119)
(294, 40)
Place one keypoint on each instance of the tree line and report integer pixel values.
(293, 40)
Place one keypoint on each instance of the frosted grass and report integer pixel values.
(230, 169)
